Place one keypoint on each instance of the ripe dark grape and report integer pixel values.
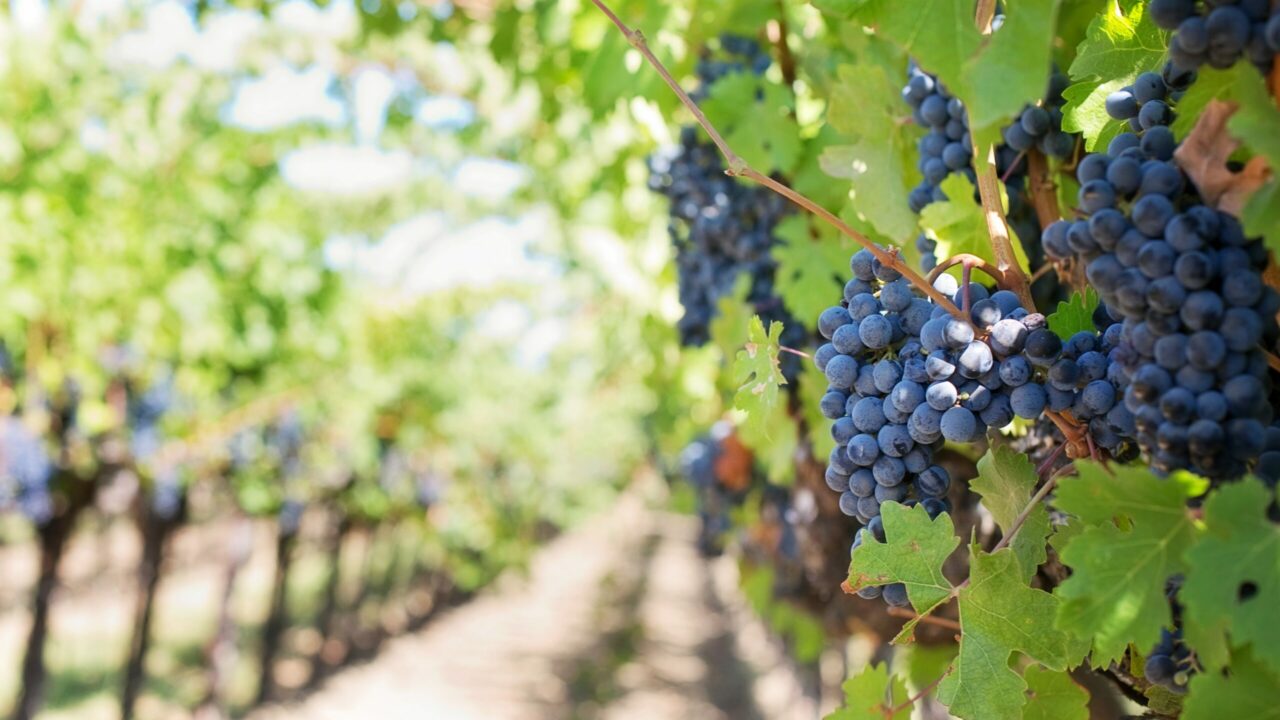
(722, 228)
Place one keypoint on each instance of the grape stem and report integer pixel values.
(891, 711)
(1044, 193)
(1272, 360)
(969, 262)
(739, 168)
(793, 351)
(984, 162)
(786, 60)
(926, 619)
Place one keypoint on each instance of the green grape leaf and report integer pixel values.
(809, 264)
(866, 106)
(916, 548)
(1135, 532)
(1074, 315)
(1210, 84)
(754, 117)
(1254, 124)
(1053, 696)
(872, 695)
(758, 373)
(939, 34)
(958, 224)
(836, 8)
(1000, 615)
(1261, 215)
(1232, 585)
(1006, 481)
(1121, 43)
(1012, 69)
(1251, 691)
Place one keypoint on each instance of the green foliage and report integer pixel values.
(1075, 315)
(1000, 615)
(758, 374)
(1053, 696)
(873, 694)
(866, 106)
(959, 226)
(1121, 43)
(913, 555)
(809, 260)
(1233, 578)
(1136, 531)
(1006, 480)
(1251, 690)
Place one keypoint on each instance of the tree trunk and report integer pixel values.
(325, 620)
(221, 652)
(155, 531)
(277, 620)
(53, 539)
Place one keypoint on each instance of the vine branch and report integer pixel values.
(926, 619)
(1044, 195)
(984, 163)
(738, 168)
(906, 704)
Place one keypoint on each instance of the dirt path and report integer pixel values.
(618, 619)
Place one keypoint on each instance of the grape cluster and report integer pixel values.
(1170, 663)
(1187, 285)
(905, 376)
(1220, 32)
(143, 414)
(27, 470)
(721, 228)
(947, 148)
(714, 501)
(1149, 101)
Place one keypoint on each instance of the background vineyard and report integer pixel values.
(319, 318)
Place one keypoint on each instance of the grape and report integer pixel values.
(1028, 400)
(1043, 346)
(959, 425)
(868, 415)
(841, 371)
(832, 404)
(863, 450)
(896, 595)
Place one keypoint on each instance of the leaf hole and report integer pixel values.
(1247, 590)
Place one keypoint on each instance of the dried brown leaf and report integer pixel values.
(1204, 154)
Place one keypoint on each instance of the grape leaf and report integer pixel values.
(1210, 84)
(1135, 532)
(872, 694)
(1006, 481)
(1074, 315)
(1121, 43)
(757, 372)
(1012, 69)
(913, 555)
(1255, 125)
(866, 106)
(939, 34)
(1000, 614)
(1249, 691)
(754, 117)
(1232, 586)
(1054, 696)
(809, 262)
(958, 224)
